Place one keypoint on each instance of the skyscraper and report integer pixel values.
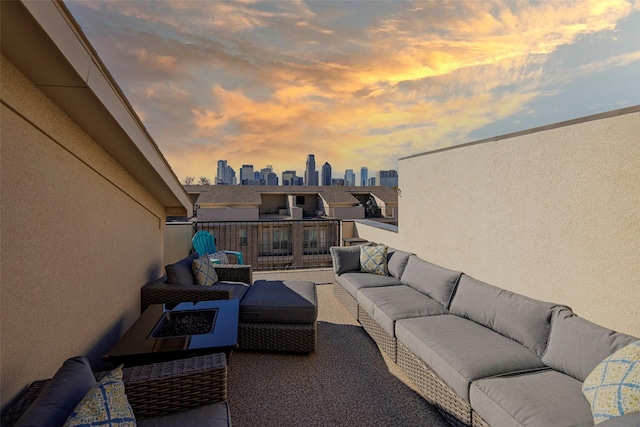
(221, 173)
(387, 178)
(349, 178)
(311, 174)
(326, 174)
(289, 178)
(364, 176)
(246, 175)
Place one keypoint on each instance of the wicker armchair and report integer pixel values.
(154, 390)
(161, 292)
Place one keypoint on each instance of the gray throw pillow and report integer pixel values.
(345, 258)
(397, 262)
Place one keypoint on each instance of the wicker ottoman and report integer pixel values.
(279, 316)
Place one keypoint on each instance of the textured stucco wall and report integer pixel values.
(79, 238)
(553, 214)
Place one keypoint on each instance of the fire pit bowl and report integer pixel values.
(185, 323)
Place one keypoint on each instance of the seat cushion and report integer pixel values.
(354, 281)
(387, 304)
(540, 399)
(61, 395)
(576, 346)
(460, 351)
(280, 301)
(180, 272)
(214, 415)
(518, 317)
(239, 288)
(430, 279)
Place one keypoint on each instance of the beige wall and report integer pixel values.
(79, 238)
(379, 233)
(177, 241)
(553, 214)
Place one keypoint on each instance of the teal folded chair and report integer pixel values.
(205, 243)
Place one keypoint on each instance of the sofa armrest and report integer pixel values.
(160, 292)
(163, 388)
(235, 273)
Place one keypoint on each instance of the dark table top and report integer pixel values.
(139, 345)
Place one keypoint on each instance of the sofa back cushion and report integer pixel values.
(397, 262)
(345, 258)
(515, 316)
(60, 396)
(430, 279)
(576, 346)
(180, 272)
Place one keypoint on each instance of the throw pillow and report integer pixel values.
(104, 404)
(613, 387)
(204, 271)
(373, 259)
(221, 255)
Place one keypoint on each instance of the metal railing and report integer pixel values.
(277, 244)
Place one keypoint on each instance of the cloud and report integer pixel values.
(270, 82)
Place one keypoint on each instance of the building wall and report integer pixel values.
(553, 214)
(79, 239)
(228, 214)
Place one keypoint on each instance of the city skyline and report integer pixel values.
(228, 172)
(357, 80)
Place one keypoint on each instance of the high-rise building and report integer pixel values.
(272, 179)
(311, 174)
(246, 175)
(364, 176)
(372, 181)
(230, 176)
(337, 181)
(387, 178)
(289, 178)
(221, 173)
(326, 174)
(349, 178)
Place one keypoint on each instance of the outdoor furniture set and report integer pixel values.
(273, 316)
(486, 356)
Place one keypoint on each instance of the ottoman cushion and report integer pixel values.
(286, 301)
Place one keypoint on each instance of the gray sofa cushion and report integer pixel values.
(214, 415)
(60, 396)
(286, 301)
(540, 399)
(515, 316)
(430, 279)
(397, 262)
(239, 288)
(628, 420)
(345, 258)
(576, 346)
(352, 281)
(180, 272)
(460, 351)
(387, 304)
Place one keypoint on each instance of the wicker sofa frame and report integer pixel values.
(153, 390)
(161, 292)
(434, 390)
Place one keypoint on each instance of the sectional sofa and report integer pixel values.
(483, 355)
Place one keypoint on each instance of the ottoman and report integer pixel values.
(279, 315)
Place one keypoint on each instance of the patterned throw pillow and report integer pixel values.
(373, 259)
(104, 404)
(613, 387)
(221, 255)
(204, 271)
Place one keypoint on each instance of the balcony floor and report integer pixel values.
(348, 381)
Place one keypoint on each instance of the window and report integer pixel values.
(243, 236)
(275, 240)
(316, 239)
(299, 200)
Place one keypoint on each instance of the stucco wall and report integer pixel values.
(553, 214)
(79, 238)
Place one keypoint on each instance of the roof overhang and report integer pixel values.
(44, 42)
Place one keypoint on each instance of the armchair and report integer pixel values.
(205, 243)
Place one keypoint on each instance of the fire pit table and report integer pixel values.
(165, 332)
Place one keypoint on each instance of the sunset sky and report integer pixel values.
(358, 83)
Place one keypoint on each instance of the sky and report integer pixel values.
(357, 83)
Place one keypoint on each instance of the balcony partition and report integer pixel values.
(277, 244)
